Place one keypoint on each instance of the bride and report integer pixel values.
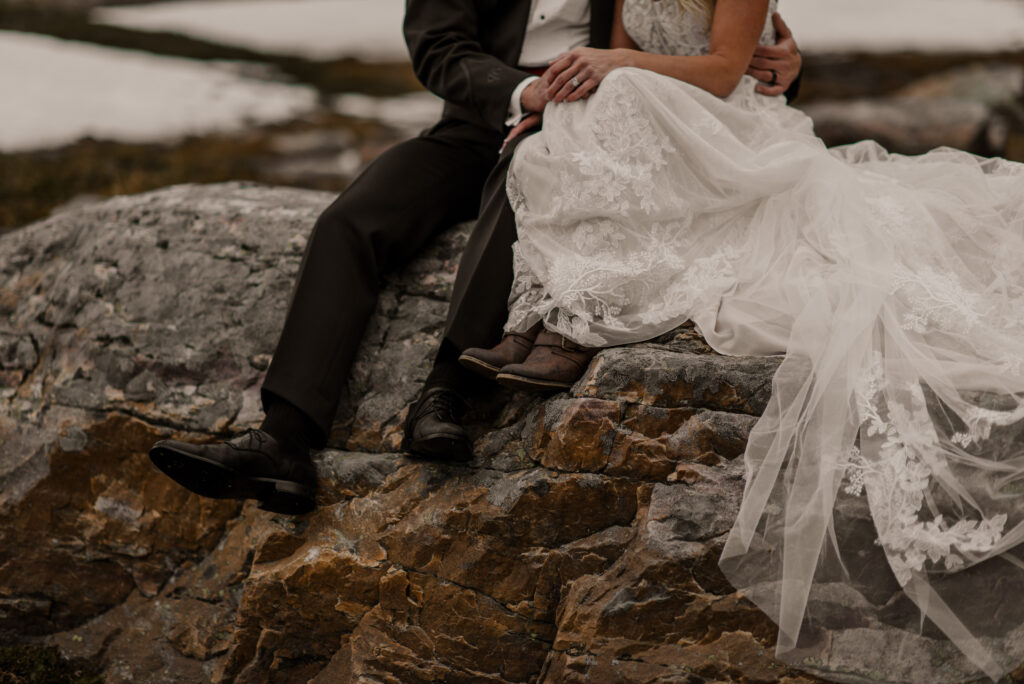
(893, 285)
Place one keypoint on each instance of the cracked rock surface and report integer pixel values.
(579, 545)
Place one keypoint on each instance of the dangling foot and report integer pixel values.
(433, 430)
(252, 465)
(513, 348)
(553, 364)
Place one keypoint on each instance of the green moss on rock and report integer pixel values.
(44, 665)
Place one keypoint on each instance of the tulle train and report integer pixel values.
(884, 503)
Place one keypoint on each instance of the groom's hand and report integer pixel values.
(533, 101)
(776, 66)
(531, 121)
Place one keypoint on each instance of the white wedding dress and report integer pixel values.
(885, 480)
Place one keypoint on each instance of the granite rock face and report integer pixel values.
(579, 545)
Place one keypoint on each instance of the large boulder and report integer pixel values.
(579, 545)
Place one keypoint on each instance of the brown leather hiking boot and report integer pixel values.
(513, 348)
(554, 363)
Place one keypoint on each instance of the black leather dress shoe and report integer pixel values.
(253, 465)
(432, 430)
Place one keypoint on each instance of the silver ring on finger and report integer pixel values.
(575, 82)
(775, 77)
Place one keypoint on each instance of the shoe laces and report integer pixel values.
(243, 442)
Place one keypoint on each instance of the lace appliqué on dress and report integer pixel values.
(618, 173)
(659, 26)
(897, 484)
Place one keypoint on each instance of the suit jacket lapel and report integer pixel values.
(518, 18)
(601, 14)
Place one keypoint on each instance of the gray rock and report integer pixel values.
(654, 376)
(580, 543)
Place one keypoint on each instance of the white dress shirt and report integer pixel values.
(554, 27)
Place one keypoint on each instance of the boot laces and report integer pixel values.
(442, 404)
(244, 441)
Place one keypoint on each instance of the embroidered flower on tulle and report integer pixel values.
(980, 422)
(897, 482)
(856, 467)
(937, 301)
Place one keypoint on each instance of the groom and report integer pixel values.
(483, 58)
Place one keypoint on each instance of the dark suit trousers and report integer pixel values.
(381, 221)
(479, 306)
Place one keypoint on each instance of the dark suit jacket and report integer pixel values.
(466, 51)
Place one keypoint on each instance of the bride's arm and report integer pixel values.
(735, 29)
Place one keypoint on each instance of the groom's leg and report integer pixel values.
(385, 216)
(477, 314)
(378, 224)
(479, 306)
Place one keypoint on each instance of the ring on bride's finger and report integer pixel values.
(575, 82)
(775, 77)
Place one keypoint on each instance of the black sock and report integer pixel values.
(291, 427)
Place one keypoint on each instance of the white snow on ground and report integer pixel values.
(822, 26)
(371, 29)
(56, 92)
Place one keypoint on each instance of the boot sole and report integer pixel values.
(216, 481)
(521, 382)
(480, 367)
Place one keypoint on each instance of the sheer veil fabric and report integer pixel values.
(884, 502)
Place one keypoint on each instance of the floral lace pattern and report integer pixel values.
(898, 481)
(660, 26)
(622, 132)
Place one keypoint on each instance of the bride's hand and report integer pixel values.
(588, 66)
(776, 66)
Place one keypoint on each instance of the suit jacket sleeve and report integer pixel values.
(448, 58)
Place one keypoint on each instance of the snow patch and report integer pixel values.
(370, 30)
(57, 92)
